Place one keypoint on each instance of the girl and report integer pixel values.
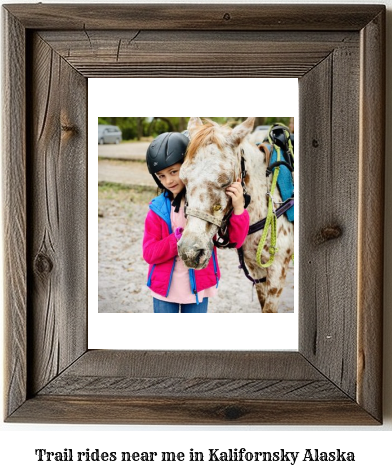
(168, 278)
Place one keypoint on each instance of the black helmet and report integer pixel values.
(166, 150)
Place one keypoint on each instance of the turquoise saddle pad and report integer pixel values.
(285, 183)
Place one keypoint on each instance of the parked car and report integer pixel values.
(109, 134)
(262, 127)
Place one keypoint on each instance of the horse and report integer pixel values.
(212, 162)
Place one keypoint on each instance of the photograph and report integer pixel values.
(196, 214)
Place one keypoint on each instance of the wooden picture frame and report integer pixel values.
(338, 54)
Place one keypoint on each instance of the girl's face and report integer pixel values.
(170, 179)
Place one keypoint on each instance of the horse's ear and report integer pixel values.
(242, 130)
(194, 122)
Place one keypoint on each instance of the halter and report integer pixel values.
(222, 220)
(204, 216)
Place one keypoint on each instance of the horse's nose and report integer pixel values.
(190, 255)
(198, 254)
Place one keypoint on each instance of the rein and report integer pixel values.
(255, 228)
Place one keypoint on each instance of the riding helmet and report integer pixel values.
(166, 150)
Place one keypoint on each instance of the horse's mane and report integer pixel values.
(205, 134)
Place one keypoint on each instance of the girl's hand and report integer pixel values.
(178, 233)
(236, 193)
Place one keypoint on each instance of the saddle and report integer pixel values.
(279, 153)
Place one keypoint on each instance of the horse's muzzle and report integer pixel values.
(194, 256)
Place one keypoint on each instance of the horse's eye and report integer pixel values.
(226, 185)
(217, 207)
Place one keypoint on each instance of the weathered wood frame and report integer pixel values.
(337, 52)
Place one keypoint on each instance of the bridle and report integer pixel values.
(221, 220)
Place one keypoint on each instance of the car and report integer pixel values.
(109, 134)
(262, 127)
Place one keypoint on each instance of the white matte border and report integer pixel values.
(177, 97)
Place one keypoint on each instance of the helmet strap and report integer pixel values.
(176, 203)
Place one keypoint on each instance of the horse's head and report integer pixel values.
(212, 163)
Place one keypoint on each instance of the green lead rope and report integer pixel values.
(270, 223)
(271, 220)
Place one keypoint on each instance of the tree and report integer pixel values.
(135, 128)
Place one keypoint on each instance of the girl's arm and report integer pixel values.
(156, 248)
(238, 228)
(239, 220)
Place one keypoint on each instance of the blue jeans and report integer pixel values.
(168, 307)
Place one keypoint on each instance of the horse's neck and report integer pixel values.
(256, 167)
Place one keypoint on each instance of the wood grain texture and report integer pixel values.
(371, 216)
(193, 53)
(206, 374)
(201, 387)
(338, 54)
(14, 212)
(329, 199)
(57, 205)
(208, 364)
(155, 411)
(192, 387)
(192, 17)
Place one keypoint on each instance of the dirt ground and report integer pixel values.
(122, 270)
(124, 151)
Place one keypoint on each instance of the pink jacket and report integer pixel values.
(160, 249)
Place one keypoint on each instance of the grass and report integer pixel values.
(121, 160)
(137, 194)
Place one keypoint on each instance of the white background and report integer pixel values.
(371, 445)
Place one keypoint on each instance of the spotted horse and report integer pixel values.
(218, 155)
